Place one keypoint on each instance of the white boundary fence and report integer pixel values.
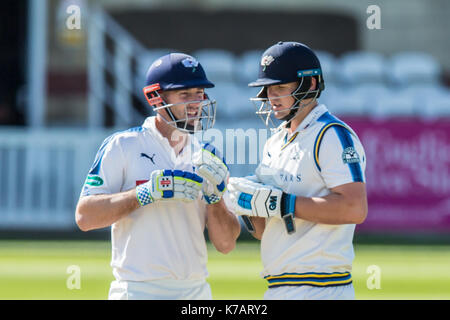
(41, 175)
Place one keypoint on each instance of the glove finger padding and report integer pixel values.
(169, 185)
(211, 167)
(183, 196)
(187, 185)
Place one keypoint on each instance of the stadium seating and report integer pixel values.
(239, 103)
(346, 103)
(396, 104)
(247, 66)
(369, 93)
(331, 90)
(219, 64)
(233, 99)
(221, 93)
(361, 67)
(422, 91)
(436, 107)
(406, 68)
(328, 63)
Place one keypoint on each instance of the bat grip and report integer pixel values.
(288, 212)
(289, 223)
(248, 224)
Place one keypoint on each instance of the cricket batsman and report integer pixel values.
(309, 191)
(158, 188)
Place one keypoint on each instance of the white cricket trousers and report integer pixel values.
(165, 289)
(346, 292)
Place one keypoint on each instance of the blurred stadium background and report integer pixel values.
(64, 89)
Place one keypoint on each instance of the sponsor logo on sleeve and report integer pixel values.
(94, 181)
(349, 155)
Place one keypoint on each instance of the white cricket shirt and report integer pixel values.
(162, 240)
(321, 154)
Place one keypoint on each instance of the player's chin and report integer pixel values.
(195, 123)
(280, 114)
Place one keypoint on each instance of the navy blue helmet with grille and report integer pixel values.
(177, 71)
(287, 62)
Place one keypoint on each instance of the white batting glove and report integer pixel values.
(169, 185)
(250, 198)
(212, 168)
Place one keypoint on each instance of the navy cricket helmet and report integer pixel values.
(287, 62)
(176, 71)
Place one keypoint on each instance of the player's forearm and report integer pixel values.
(331, 209)
(223, 227)
(101, 211)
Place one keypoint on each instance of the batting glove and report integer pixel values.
(169, 185)
(250, 198)
(212, 168)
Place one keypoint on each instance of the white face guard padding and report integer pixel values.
(203, 120)
(264, 107)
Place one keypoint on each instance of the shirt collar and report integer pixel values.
(312, 117)
(149, 124)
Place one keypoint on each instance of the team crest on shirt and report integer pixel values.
(349, 155)
(266, 61)
(296, 154)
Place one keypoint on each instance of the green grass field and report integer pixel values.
(38, 270)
